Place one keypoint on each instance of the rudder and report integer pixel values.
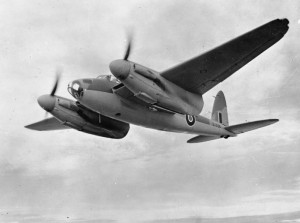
(219, 112)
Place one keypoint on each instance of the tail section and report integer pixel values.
(219, 112)
(220, 115)
(249, 126)
(236, 129)
(202, 138)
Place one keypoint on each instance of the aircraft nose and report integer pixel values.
(120, 69)
(47, 102)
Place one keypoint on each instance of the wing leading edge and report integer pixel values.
(203, 72)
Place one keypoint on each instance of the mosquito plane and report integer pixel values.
(170, 100)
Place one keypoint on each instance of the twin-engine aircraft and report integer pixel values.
(170, 100)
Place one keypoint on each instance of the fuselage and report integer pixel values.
(99, 97)
(113, 106)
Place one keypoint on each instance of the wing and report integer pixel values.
(249, 126)
(125, 93)
(203, 72)
(47, 125)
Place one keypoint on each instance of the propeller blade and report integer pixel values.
(129, 45)
(58, 74)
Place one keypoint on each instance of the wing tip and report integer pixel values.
(190, 141)
(47, 125)
(280, 26)
(274, 120)
(270, 121)
(31, 127)
(202, 138)
(28, 126)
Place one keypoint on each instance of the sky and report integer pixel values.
(68, 176)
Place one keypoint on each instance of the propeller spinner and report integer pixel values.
(120, 68)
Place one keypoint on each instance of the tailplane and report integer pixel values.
(219, 112)
(236, 129)
(249, 126)
(220, 115)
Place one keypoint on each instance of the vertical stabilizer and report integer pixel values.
(219, 112)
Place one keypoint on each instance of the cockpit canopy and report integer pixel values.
(75, 89)
(101, 83)
(109, 78)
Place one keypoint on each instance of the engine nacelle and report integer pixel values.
(149, 86)
(76, 116)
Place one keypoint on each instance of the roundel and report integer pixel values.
(190, 119)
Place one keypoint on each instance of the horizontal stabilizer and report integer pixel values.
(249, 126)
(47, 125)
(202, 138)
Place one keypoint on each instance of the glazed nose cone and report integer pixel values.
(47, 102)
(120, 69)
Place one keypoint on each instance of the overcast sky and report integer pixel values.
(68, 176)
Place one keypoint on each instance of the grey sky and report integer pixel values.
(49, 176)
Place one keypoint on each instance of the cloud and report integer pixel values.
(149, 174)
(287, 217)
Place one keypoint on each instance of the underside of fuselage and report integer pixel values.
(128, 111)
(109, 98)
(102, 95)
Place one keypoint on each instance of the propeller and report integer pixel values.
(46, 101)
(58, 75)
(120, 68)
(129, 44)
